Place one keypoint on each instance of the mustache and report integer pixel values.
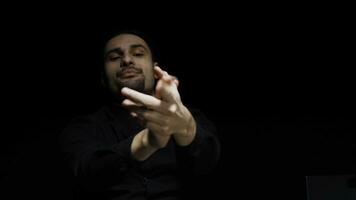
(129, 69)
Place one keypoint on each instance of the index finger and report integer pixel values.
(159, 72)
(144, 99)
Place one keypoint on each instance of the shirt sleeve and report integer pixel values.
(202, 155)
(91, 160)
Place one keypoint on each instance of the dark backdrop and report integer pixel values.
(277, 85)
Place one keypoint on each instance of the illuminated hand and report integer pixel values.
(163, 114)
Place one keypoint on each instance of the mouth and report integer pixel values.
(128, 73)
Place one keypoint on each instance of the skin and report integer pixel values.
(128, 63)
(130, 73)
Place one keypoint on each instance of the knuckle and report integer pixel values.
(172, 108)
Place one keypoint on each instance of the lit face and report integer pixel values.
(128, 63)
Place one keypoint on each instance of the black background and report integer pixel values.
(278, 85)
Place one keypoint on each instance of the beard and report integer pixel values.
(136, 83)
(131, 77)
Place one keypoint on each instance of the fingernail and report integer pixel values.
(124, 90)
(124, 102)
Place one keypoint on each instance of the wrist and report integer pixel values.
(187, 136)
(189, 129)
(140, 147)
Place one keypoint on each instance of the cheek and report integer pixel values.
(110, 72)
(110, 68)
(149, 79)
(147, 68)
(149, 74)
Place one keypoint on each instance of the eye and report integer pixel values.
(114, 57)
(138, 54)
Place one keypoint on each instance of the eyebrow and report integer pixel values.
(119, 50)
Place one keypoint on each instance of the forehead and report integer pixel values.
(124, 41)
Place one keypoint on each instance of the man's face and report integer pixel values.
(128, 63)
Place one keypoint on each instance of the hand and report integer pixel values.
(165, 114)
(145, 143)
(156, 141)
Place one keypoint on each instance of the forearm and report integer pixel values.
(142, 147)
(185, 138)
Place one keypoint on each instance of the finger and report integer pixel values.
(144, 99)
(153, 116)
(169, 79)
(133, 114)
(130, 104)
(136, 112)
(176, 81)
(140, 98)
(154, 71)
(138, 117)
(159, 72)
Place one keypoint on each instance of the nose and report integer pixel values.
(126, 60)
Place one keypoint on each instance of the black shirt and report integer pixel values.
(97, 148)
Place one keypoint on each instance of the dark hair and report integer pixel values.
(113, 33)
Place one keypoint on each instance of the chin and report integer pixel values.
(135, 84)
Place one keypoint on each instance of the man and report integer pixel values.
(146, 142)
